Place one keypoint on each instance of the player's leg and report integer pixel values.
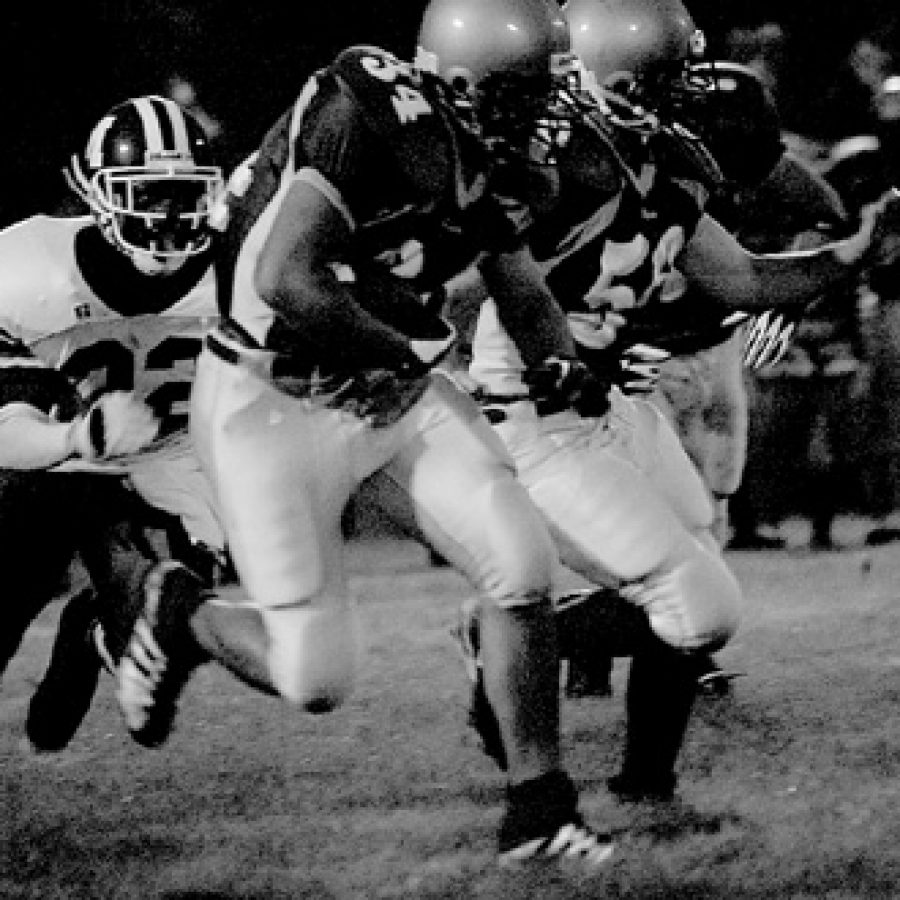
(105, 529)
(282, 472)
(609, 518)
(470, 507)
(712, 428)
(36, 529)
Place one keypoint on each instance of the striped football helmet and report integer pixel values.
(146, 174)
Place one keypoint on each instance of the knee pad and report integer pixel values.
(515, 566)
(313, 654)
(693, 604)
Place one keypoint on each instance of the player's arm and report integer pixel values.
(716, 264)
(295, 276)
(526, 307)
(114, 425)
(40, 425)
(30, 439)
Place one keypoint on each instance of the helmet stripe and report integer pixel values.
(94, 152)
(150, 119)
(181, 141)
(172, 127)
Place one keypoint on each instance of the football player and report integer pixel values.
(366, 195)
(117, 302)
(650, 52)
(626, 506)
(860, 168)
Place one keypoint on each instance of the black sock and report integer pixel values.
(662, 687)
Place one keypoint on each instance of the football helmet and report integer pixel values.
(642, 60)
(729, 107)
(635, 41)
(501, 57)
(147, 177)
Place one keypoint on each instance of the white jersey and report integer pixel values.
(46, 303)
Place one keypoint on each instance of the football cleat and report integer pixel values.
(542, 825)
(158, 661)
(64, 695)
(712, 681)
(572, 842)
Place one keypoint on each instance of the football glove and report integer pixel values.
(639, 368)
(114, 425)
(560, 383)
(768, 338)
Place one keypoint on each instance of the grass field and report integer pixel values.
(790, 787)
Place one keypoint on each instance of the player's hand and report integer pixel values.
(562, 382)
(115, 425)
(877, 241)
(639, 367)
(884, 250)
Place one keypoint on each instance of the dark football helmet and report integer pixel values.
(729, 107)
(147, 176)
(638, 42)
(642, 61)
(505, 60)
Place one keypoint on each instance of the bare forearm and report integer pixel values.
(529, 313)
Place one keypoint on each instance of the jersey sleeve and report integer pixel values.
(333, 139)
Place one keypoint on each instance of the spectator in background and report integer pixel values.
(848, 107)
(761, 49)
(863, 166)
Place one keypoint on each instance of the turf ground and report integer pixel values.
(789, 788)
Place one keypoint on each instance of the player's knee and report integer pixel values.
(695, 604)
(313, 655)
(514, 564)
(525, 576)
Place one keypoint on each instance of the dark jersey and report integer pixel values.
(604, 252)
(381, 141)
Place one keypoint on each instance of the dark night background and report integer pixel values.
(65, 67)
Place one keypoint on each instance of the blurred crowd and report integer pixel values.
(824, 429)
